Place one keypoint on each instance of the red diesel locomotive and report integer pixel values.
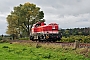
(42, 32)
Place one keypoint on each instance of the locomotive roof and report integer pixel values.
(53, 24)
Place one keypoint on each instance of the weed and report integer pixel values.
(18, 51)
(10, 50)
(5, 47)
(47, 55)
(24, 49)
(38, 46)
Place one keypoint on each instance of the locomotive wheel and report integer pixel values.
(54, 40)
(38, 37)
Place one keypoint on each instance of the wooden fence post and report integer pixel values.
(76, 44)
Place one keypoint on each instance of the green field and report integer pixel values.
(26, 52)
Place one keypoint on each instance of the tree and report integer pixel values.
(23, 17)
(12, 25)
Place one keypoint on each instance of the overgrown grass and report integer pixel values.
(27, 52)
(80, 38)
(26, 38)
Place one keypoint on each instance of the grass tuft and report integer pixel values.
(5, 47)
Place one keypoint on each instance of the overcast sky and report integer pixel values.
(67, 13)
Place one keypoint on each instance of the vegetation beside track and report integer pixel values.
(80, 38)
(20, 51)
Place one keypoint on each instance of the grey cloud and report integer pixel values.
(71, 21)
(67, 13)
(69, 7)
(63, 7)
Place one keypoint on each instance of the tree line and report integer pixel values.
(75, 31)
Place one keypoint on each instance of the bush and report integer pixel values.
(80, 38)
(5, 47)
(0, 38)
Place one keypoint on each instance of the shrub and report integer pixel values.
(80, 38)
(0, 38)
(5, 47)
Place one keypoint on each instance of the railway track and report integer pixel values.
(63, 44)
